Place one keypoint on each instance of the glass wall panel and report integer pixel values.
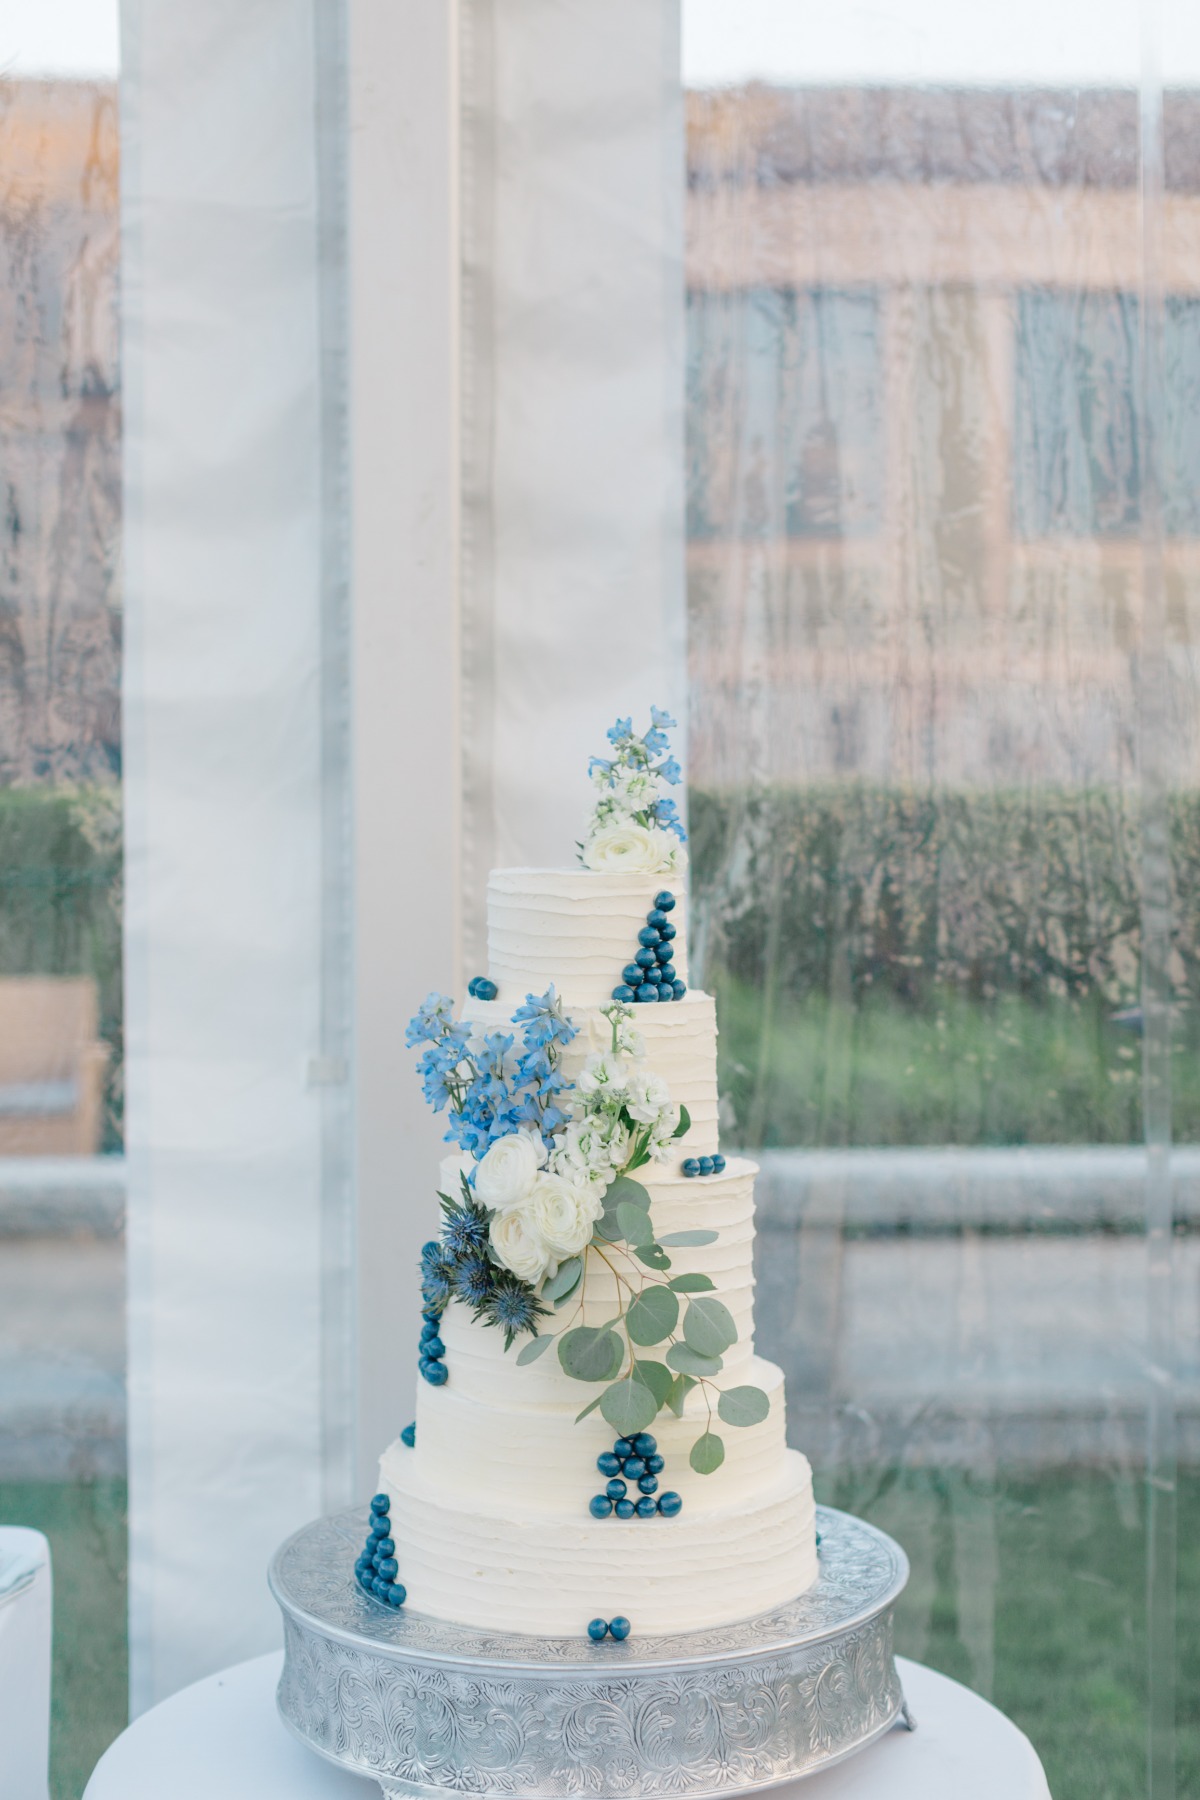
(62, 1288)
(943, 452)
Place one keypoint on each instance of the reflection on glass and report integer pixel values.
(919, 500)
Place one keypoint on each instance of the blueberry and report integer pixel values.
(658, 918)
(608, 1463)
(435, 1373)
(620, 1629)
(616, 1489)
(389, 1568)
(471, 986)
(624, 993)
(624, 1509)
(678, 990)
(385, 1547)
(691, 1166)
(431, 1328)
(664, 900)
(648, 1484)
(379, 1587)
(432, 1315)
(485, 989)
(397, 1595)
(600, 1506)
(623, 1447)
(706, 1165)
(647, 991)
(667, 932)
(381, 1527)
(663, 952)
(598, 1630)
(669, 1504)
(718, 1163)
(635, 1468)
(380, 1504)
(644, 1444)
(666, 976)
(654, 1465)
(632, 973)
(645, 959)
(648, 936)
(647, 1506)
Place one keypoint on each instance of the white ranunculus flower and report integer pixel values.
(602, 1073)
(517, 1247)
(560, 1216)
(632, 848)
(506, 1173)
(648, 1097)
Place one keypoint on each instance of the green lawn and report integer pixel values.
(1033, 1592)
(85, 1524)
(808, 1071)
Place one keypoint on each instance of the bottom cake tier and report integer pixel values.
(474, 1564)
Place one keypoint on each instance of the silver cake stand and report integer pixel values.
(429, 1709)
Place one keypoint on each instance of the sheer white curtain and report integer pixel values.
(404, 534)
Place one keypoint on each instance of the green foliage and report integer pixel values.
(653, 1255)
(681, 1387)
(687, 1361)
(590, 1353)
(634, 1225)
(652, 1316)
(685, 1122)
(708, 1326)
(657, 1377)
(563, 1284)
(743, 1406)
(690, 1284)
(629, 1406)
(533, 1349)
(676, 1239)
(708, 1453)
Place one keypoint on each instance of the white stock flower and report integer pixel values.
(560, 1216)
(602, 1074)
(506, 1173)
(635, 849)
(517, 1247)
(583, 1157)
(648, 1098)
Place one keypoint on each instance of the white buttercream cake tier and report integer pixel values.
(576, 928)
(522, 1568)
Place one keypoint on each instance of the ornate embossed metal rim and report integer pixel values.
(862, 1571)
(428, 1709)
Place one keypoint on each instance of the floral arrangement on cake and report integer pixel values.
(634, 825)
(552, 1188)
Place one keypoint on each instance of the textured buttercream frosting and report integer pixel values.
(490, 1509)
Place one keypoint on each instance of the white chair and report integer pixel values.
(24, 1664)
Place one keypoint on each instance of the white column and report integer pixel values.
(239, 1230)
(573, 573)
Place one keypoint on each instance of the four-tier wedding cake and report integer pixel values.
(596, 1446)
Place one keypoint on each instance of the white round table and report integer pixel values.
(223, 1737)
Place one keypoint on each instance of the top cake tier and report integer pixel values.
(577, 928)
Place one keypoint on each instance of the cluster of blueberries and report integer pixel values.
(704, 1165)
(599, 1629)
(636, 1459)
(480, 988)
(376, 1569)
(432, 1349)
(651, 974)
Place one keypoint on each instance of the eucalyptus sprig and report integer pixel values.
(653, 1308)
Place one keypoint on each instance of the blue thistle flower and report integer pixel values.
(473, 1281)
(466, 1230)
(513, 1305)
(437, 1282)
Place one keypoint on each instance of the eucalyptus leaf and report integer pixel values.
(708, 1453)
(589, 1408)
(607, 1228)
(681, 1387)
(653, 1255)
(685, 1123)
(533, 1349)
(653, 1316)
(570, 1293)
(635, 1225)
(690, 1284)
(679, 1238)
(743, 1406)
(632, 1192)
(689, 1362)
(708, 1326)
(560, 1285)
(657, 1377)
(590, 1354)
(629, 1406)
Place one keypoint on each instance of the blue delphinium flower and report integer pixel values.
(620, 733)
(434, 1015)
(661, 721)
(670, 771)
